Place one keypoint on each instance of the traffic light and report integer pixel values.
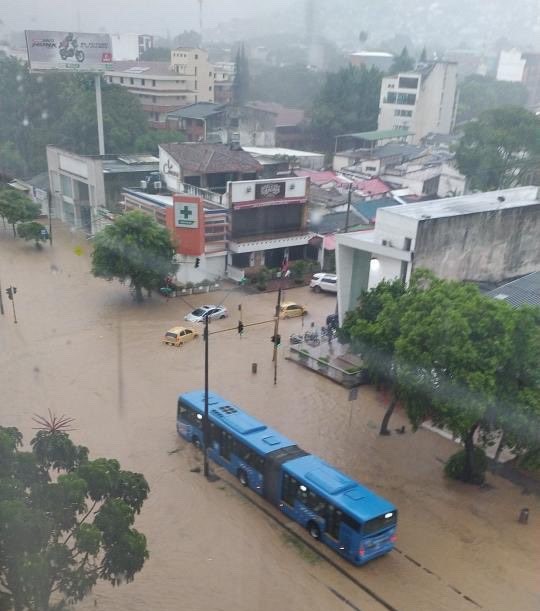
(11, 291)
(276, 340)
(240, 327)
(197, 262)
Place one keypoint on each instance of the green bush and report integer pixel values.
(303, 353)
(530, 461)
(189, 285)
(455, 466)
(324, 360)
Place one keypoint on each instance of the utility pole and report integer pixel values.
(349, 196)
(1, 302)
(49, 198)
(206, 422)
(99, 108)
(276, 335)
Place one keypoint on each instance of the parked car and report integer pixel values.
(291, 309)
(213, 312)
(177, 336)
(324, 282)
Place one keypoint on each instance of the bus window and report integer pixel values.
(380, 523)
(333, 521)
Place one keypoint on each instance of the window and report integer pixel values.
(289, 489)
(371, 168)
(67, 187)
(121, 79)
(142, 81)
(131, 81)
(210, 88)
(190, 416)
(403, 113)
(406, 98)
(154, 99)
(210, 74)
(196, 56)
(196, 86)
(110, 79)
(406, 82)
(249, 456)
(153, 82)
(385, 521)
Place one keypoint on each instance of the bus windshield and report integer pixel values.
(380, 523)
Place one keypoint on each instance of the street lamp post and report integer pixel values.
(206, 422)
(49, 198)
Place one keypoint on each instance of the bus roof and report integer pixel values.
(260, 437)
(341, 490)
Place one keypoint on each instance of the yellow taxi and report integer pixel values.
(178, 336)
(290, 309)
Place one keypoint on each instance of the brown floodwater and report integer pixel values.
(83, 348)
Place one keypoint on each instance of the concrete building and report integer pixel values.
(484, 237)
(301, 159)
(510, 66)
(36, 188)
(422, 101)
(255, 223)
(224, 73)
(520, 67)
(225, 123)
(205, 166)
(290, 132)
(86, 190)
(130, 47)
(372, 59)
(163, 87)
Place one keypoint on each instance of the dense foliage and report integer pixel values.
(501, 149)
(480, 93)
(134, 248)
(402, 62)
(32, 230)
(15, 207)
(240, 88)
(466, 362)
(60, 109)
(348, 102)
(66, 521)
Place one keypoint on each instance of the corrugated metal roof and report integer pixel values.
(523, 291)
(201, 110)
(379, 135)
(205, 158)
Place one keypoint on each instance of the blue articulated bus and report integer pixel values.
(349, 518)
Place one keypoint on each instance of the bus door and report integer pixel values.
(272, 472)
(226, 445)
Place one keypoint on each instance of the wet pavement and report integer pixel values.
(83, 348)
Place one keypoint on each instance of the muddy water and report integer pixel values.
(83, 348)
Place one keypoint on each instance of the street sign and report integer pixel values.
(68, 51)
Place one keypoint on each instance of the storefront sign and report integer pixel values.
(269, 190)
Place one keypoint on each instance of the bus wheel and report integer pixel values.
(242, 477)
(314, 530)
(196, 442)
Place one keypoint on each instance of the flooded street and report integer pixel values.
(83, 348)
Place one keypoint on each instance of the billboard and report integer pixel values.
(186, 214)
(72, 51)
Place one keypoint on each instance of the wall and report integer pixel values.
(510, 66)
(486, 246)
(170, 170)
(245, 191)
(125, 47)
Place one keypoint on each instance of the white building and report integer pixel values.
(163, 87)
(481, 237)
(128, 47)
(422, 101)
(511, 66)
(372, 59)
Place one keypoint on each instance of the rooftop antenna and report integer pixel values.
(200, 18)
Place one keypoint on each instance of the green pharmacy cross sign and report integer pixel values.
(186, 215)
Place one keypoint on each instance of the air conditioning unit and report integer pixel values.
(157, 185)
(144, 185)
(385, 242)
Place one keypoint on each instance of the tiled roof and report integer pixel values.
(201, 110)
(523, 291)
(285, 116)
(205, 158)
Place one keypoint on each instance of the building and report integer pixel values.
(294, 159)
(36, 188)
(224, 73)
(130, 47)
(523, 68)
(290, 132)
(372, 59)
(255, 223)
(204, 165)
(520, 292)
(163, 87)
(422, 101)
(351, 149)
(225, 123)
(86, 190)
(484, 237)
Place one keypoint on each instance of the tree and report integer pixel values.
(423, 56)
(67, 521)
(480, 93)
(134, 248)
(373, 329)
(451, 355)
(15, 207)
(240, 88)
(156, 54)
(32, 230)
(347, 102)
(188, 38)
(501, 149)
(402, 63)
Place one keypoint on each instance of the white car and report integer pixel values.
(324, 282)
(213, 312)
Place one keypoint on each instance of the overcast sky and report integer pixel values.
(140, 16)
